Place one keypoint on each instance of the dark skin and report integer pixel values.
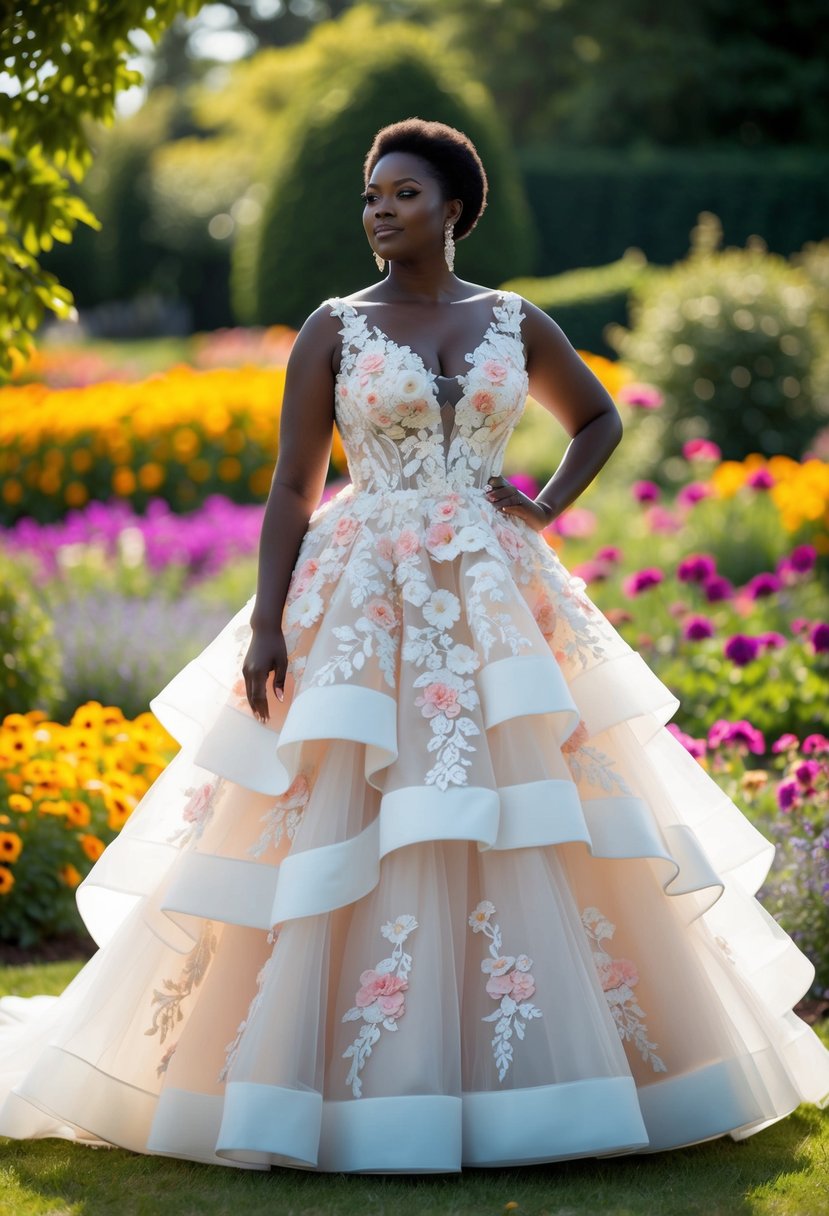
(418, 303)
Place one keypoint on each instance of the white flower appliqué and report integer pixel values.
(284, 816)
(618, 977)
(379, 1000)
(510, 983)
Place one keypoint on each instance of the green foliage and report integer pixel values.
(731, 338)
(67, 63)
(583, 302)
(29, 655)
(310, 243)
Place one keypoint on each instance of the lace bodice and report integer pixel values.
(396, 435)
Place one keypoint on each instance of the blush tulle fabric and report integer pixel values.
(463, 900)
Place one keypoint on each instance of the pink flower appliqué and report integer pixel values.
(386, 989)
(381, 612)
(511, 543)
(303, 577)
(618, 973)
(577, 738)
(438, 698)
(447, 508)
(346, 529)
(439, 535)
(407, 544)
(384, 547)
(371, 363)
(509, 983)
(483, 401)
(495, 371)
(545, 617)
(198, 803)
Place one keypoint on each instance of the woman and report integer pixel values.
(438, 752)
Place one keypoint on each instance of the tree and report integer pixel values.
(67, 63)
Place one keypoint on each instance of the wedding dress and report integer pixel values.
(306, 928)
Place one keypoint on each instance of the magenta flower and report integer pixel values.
(697, 627)
(660, 519)
(578, 521)
(741, 735)
(644, 395)
(785, 743)
(609, 553)
(813, 744)
(646, 491)
(526, 484)
(801, 559)
(701, 449)
(760, 479)
(696, 747)
(741, 649)
(592, 571)
(642, 580)
(762, 585)
(717, 589)
(787, 794)
(819, 637)
(696, 568)
(799, 624)
(806, 773)
(771, 640)
(693, 493)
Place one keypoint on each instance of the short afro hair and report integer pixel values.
(451, 156)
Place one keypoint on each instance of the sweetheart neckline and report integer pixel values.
(470, 357)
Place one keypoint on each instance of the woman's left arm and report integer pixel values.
(561, 381)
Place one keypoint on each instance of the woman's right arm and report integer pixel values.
(305, 437)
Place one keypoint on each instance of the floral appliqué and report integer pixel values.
(198, 810)
(618, 977)
(232, 1048)
(379, 1001)
(590, 764)
(510, 983)
(169, 1002)
(283, 817)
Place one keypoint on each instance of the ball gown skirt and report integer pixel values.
(463, 900)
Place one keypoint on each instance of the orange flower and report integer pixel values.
(11, 846)
(6, 880)
(92, 846)
(70, 875)
(78, 814)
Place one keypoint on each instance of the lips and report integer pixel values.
(385, 230)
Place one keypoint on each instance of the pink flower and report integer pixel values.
(700, 449)
(371, 398)
(342, 390)
(381, 612)
(408, 543)
(483, 402)
(618, 973)
(371, 363)
(644, 395)
(545, 617)
(523, 985)
(445, 509)
(197, 805)
(438, 698)
(510, 542)
(495, 371)
(303, 577)
(384, 547)
(501, 985)
(346, 529)
(576, 739)
(392, 1006)
(440, 534)
(374, 984)
(412, 409)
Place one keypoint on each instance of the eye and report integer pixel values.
(368, 198)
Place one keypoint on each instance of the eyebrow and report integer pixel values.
(399, 180)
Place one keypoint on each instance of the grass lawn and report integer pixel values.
(782, 1171)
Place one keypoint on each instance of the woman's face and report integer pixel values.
(403, 194)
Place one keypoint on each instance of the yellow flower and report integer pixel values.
(11, 846)
(6, 880)
(19, 802)
(78, 814)
(88, 716)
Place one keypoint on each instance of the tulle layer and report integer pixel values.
(304, 926)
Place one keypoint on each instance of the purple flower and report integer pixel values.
(739, 734)
(642, 580)
(718, 588)
(762, 585)
(644, 395)
(807, 771)
(693, 493)
(819, 637)
(696, 568)
(697, 627)
(646, 491)
(741, 649)
(696, 747)
(787, 793)
(772, 640)
(760, 479)
(701, 449)
(785, 743)
(801, 559)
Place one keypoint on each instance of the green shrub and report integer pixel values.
(31, 659)
(309, 243)
(732, 338)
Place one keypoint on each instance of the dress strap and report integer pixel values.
(353, 328)
(508, 314)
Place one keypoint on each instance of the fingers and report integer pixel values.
(503, 495)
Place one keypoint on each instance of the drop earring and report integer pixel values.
(380, 261)
(449, 246)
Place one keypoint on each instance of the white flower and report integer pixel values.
(410, 385)
(497, 966)
(398, 930)
(522, 963)
(305, 609)
(480, 915)
(442, 610)
(462, 659)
